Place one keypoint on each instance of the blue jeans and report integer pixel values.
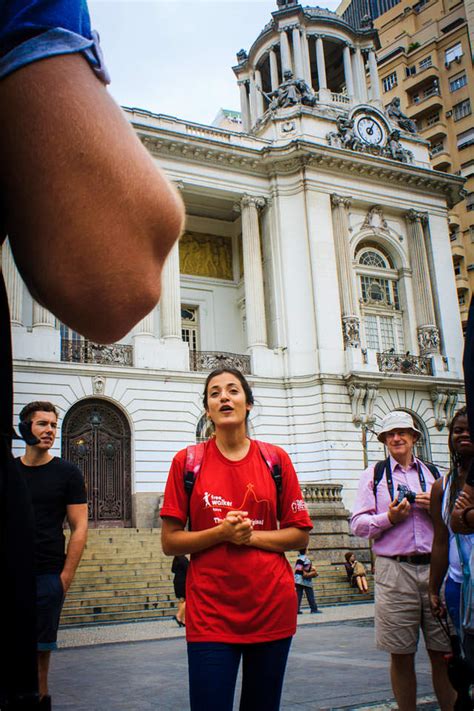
(309, 596)
(452, 595)
(213, 668)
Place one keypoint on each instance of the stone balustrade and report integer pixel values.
(318, 493)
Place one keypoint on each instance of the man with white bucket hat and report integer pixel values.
(392, 509)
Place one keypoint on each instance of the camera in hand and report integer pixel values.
(405, 493)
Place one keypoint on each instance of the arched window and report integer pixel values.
(379, 300)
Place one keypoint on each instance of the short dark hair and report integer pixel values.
(348, 555)
(237, 374)
(29, 410)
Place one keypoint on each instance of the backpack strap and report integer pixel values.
(271, 457)
(192, 467)
(379, 469)
(433, 469)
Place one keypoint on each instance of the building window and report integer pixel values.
(457, 268)
(410, 71)
(470, 202)
(452, 53)
(425, 63)
(462, 298)
(190, 326)
(471, 233)
(389, 81)
(457, 82)
(461, 110)
(465, 139)
(432, 119)
(379, 300)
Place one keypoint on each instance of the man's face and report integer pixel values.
(400, 442)
(44, 426)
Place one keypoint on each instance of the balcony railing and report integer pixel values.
(316, 493)
(210, 360)
(87, 352)
(404, 363)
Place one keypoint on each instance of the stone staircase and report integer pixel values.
(124, 576)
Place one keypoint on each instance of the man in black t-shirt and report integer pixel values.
(57, 492)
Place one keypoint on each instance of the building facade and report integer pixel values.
(316, 258)
(426, 59)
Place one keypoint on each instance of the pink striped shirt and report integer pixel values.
(370, 513)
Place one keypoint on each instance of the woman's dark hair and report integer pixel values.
(237, 374)
(453, 476)
(348, 555)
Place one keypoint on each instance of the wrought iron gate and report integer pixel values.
(96, 437)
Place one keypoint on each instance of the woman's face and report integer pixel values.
(226, 402)
(461, 438)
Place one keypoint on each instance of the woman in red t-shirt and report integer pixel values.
(241, 601)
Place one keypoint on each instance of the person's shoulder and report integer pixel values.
(65, 467)
(274, 449)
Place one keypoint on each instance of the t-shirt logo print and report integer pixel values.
(255, 506)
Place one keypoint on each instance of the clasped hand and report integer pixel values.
(237, 528)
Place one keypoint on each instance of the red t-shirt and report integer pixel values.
(237, 594)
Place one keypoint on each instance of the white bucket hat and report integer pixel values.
(397, 420)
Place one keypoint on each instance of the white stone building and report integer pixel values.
(316, 257)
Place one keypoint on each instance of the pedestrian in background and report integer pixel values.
(180, 568)
(305, 572)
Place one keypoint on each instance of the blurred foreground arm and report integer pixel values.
(90, 217)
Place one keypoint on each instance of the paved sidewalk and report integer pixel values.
(333, 665)
(166, 628)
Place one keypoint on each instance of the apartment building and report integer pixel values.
(426, 60)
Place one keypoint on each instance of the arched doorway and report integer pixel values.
(96, 437)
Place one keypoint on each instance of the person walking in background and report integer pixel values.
(305, 572)
(392, 509)
(356, 573)
(57, 492)
(180, 568)
(246, 508)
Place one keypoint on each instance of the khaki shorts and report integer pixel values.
(402, 607)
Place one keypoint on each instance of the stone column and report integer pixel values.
(244, 104)
(306, 59)
(361, 82)
(42, 318)
(170, 302)
(253, 101)
(298, 53)
(374, 76)
(428, 333)
(13, 285)
(253, 271)
(145, 326)
(273, 69)
(350, 320)
(258, 94)
(346, 53)
(321, 65)
(285, 53)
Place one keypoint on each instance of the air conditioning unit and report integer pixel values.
(447, 64)
(449, 114)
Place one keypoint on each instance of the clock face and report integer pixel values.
(370, 131)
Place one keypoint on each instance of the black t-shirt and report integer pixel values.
(52, 487)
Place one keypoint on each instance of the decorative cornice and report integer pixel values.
(276, 160)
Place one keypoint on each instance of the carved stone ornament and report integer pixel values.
(375, 219)
(415, 216)
(98, 385)
(444, 404)
(242, 56)
(351, 331)
(288, 126)
(363, 396)
(290, 92)
(206, 255)
(253, 201)
(428, 340)
(346, 137)
(340, 201)
(396, 114)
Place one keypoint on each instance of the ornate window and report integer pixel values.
(190, 326)
(379, 300)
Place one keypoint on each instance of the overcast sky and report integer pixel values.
(175, 56)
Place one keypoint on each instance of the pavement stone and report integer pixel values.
(333, 666)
